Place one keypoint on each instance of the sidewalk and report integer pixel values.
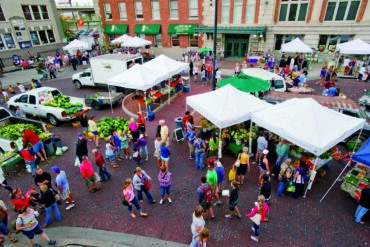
(78, 236)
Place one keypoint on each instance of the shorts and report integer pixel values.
(259, 152)
(89, 180)
(112, 157)
(31, 233)
(210, 76)
(165, 159)
(165, 190)
(38, 146)
(205, 205)
(95, 133)
(204, 79)
(65, 194)
(242, 169)
(84, 128)
(191, 148)
(142, 129)
(156, 153)
(232, 206)
(263, 170)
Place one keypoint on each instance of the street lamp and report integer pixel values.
(214, 46)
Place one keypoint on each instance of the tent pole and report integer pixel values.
(169, 91)
(312, 177)
(146, 106)
(348, 163)
(220, 145)
(250, 140)
(110, 99)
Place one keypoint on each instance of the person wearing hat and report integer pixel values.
(81, 147)
(63, 187)
(266, 188)
(264, 164)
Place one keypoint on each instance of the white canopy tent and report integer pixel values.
(77, 45)
(226, 106)
(121, 39)
(296, 45)
(308, 124)
(136, 42)
(166, 67)
(354, 47)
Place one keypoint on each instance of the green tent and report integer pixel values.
(205, 49)
(246, 83)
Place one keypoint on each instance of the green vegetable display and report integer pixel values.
(63, 101)
(95, 96)
(108, 124)
(12, 131)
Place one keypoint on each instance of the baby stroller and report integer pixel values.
(43, 75)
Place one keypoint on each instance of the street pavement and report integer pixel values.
(303, 222)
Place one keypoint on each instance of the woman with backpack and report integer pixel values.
(298, 180)
(285, 176)
(200, 148)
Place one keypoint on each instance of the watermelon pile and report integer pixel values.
(108, 124)
(63, 101)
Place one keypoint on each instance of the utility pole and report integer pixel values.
(215, 47)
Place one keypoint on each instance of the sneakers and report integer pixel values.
(253, 230)
(37, 213)
(228, 216)
(254, 238)
(161, 201)
(52, 242)
(218, 203)
(239, 216)
(169, 200)
(70, 206)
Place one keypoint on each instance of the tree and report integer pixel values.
(68, 33)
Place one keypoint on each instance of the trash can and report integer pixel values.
(151, 116)
(151, 107)
(186, 89)
(56, 143)
(178, 122)
(49, 148)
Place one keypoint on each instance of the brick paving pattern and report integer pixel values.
(303, 222)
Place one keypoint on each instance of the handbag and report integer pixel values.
(77, 162)
(237, 162)
(147, 184)
(124, 202)
(232, 174)
(256, 219)
(290, 188)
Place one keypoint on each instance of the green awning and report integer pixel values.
(185, 29)
(115, 28)
(233, 30)
(147, 28)
(245, 83)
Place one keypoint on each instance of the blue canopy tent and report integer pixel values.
(363, 154)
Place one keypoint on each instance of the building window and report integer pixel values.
(293, 10)
(156, 14)
(108, 12)
(329, 42)
(139, 9)
(282, 39)
(193, 9)
(174, 9)
(237, 18)
(34, 38)
(25, 44)
(225, 11)
(50, 36)
(175, 40)
(111, 37)
(44, 12)
(339, 10)
(193, 40)
(36, 12)
(9, 41)
(27, 12)
(43, 38)
(2, 16)
(2, 45)
(158, 40)
(122, 11)
(249, 13)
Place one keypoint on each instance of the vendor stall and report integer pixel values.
(77, 45)
(245, 83)
(121, 39)
(309, 125)
(296, 45)
(136, 42)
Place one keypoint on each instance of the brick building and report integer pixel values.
(167, 23)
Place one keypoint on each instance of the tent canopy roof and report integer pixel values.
(363, 154)
(77, 45)
(296, 45)
(308, 124)
(136, 42)
(226, 106)
(356, 46)
(121, 39)
(245, 83)
(167, 67)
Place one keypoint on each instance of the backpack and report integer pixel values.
(207, 192)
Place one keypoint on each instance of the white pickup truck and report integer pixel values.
(36, 102)
(6, 119)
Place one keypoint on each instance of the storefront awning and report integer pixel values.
(115, 29)
(147, 28)
(233, 30)
(184, 29)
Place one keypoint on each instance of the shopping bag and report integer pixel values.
(97, 177)
(77, 162)
(290, 188)
(232, 174)
(256, 219)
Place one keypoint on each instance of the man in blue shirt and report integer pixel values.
(117, 144)
(190, 136)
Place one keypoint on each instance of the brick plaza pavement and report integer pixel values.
(303, 222)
